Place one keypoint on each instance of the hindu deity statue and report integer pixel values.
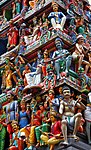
(70, 119)
(61, 58)
(57, 18)
(12, 35)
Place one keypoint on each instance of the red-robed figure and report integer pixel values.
(56, 131)
(12, 35)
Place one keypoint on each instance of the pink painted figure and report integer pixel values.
(78, 54)
(25, 3)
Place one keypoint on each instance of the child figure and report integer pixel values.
(54, 137)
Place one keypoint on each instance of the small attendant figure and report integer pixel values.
(53, 102)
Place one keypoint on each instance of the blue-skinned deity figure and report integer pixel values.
(61, 57)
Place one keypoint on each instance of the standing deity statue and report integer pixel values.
(18, 6)
(70, 119)
(61, 58)
(11, 108)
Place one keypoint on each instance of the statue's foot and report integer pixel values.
(75, 137)
(37, 145)
(58, 77)
(66, 71)
(64, 143)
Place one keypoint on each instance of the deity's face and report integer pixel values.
(7, 60)
(72, 7)
(60, 90)
(51, 95)
(58, 44)
(26, 67)
(11, 25)
(23, 106)
(15, 127)
(66, 93)
(45, 55)
(35, 21)
(52, 118)
(41, 107)
(55, 8)
(39, 54)
(9, 97)
(80, 40)
(45, 104)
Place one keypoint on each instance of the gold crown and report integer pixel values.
(52, 91)
(53, 113)
(46, 51)
(14, 123)
(54, 4)
(38, 97)
(22, 101)
(11, 21)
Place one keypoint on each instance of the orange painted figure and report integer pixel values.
(33, 3)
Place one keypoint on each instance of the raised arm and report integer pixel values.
(61, 107)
